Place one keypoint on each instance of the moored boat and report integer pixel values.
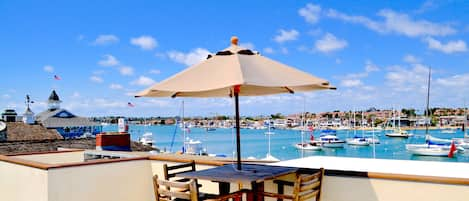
(330, 140)
(358, 141)
(399, 133)
(147, 139)
(308, 146)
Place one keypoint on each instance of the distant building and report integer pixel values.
(66, 123)
(9, 115)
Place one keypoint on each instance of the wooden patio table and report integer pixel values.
(254, 174)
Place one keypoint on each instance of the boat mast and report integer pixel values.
(428, 100)
(363, 127)
(183, 128)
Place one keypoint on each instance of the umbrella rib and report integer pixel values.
(174, 95)
(289, 90)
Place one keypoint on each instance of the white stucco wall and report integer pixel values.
(55, 158)
(119, 181)
(363, 189)
(22, 183)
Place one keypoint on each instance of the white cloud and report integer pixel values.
(310, 13)
(115, 86)
(454, 81)
(286, 35)
(106, 39)
(144, 42)
(49, 68)
(76, 94)
(330, 43)
(407, 79)
(351, 83)
(195, 56)
(395, 22)
(96, 79)
(126, 70)
(448, 48)
(370, 67)
(426, 6)
(269, 50)
(284, 50)
(247, 46)
(108, 60)
(411, 59)
(143, 81)
(6, 96)
(155, 71)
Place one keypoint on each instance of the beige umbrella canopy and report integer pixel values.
(236, 71)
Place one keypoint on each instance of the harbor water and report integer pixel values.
(254, 143)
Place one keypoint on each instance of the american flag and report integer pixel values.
(130, 104)
(56, 77)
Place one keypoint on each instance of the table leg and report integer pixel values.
(223, 188)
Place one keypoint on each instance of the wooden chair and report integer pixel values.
(172, 190)
(305, 187)
(171, 171)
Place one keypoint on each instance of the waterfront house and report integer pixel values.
(66, 123)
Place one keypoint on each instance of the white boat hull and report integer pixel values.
(401, 135)
(333, 144)
(428, 150)
(358, 142)
(308, 147)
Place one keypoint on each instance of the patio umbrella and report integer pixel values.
(234, 72)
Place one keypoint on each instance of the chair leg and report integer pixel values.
(280, 190)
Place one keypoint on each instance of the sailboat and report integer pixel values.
(269, 156)
(463, 142)
(307, 146)
(429, 148)
(398, 132)
(356, 140)
(268, 129)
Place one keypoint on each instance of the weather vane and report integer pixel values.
(28, 101)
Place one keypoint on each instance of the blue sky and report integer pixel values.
(376, 53)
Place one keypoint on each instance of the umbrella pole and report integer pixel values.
(238, 136)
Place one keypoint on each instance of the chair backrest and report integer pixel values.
(308, 186)
(168, 190)
(171, 171)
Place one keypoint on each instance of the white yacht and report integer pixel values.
(147, 139)
(329, 139)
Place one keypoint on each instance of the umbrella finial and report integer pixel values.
(234, 40)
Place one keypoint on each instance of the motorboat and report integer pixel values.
(399, 133)
(147, 139)
(308, 146)
(194, 147)
(329, 140)
(358, 141)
